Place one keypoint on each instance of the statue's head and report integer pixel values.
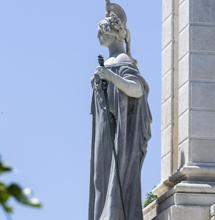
(113, 26)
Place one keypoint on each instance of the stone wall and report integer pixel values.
(187, 188)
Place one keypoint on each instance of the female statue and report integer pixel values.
(128, 125)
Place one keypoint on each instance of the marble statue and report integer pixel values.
(127, 123)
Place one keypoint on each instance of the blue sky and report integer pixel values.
(48, 52)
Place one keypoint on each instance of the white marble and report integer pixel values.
(167, 31)
(166, 119)
(184, 42)
(183, 15)
(183, 127)
(188, 192)
(166, 166)
(167, 8)
(183, 70)
(167, 56)
(166, 141)
(184, 153)
(150, 211)
(212, 210)
(183, 98)
(166, 87)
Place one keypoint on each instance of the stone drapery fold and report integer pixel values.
(130, 121)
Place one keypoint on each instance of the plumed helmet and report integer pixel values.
(115, 22)
(117, 10)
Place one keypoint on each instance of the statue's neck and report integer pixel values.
(116, 48)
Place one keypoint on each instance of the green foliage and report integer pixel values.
(150, 197)
(4, 168)
(14, 191)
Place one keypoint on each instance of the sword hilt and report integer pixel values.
(101, 63)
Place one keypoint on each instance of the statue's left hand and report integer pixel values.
(104, 73)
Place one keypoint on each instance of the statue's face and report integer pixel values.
(105, 39)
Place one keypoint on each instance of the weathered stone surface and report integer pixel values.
(167, 64)
(212, 210)
(195, 187)
(203, 11)
(177, 212)
(188, 79)
(202, 151)
(194, 199)
(183, 127)
(183, 70)
(166, 141)
(184, 153)
(202, 124)
(167, 8)
(166, 166)
(183, 15)
(150, 211)
(187, 200)
(202, 37)
(190, 212)
(203, 65)
(203, 95)
(183, 98)
(183, 42)
(167, 33)
(167, 114)
(121, 124)
(166, 86)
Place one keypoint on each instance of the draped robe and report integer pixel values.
(130, 124)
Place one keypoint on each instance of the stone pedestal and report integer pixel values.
(187, 189)
(187, 200)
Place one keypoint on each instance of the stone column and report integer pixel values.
(169, 90)
(187, 189)
(196, 84)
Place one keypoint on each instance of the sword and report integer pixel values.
(104, 88)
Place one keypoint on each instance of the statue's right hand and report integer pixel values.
(95, 80)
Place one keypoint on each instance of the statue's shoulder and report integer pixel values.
(123, 58)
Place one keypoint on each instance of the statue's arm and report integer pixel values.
(131, 87)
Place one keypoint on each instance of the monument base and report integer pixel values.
(177, 212)
(189, 199)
